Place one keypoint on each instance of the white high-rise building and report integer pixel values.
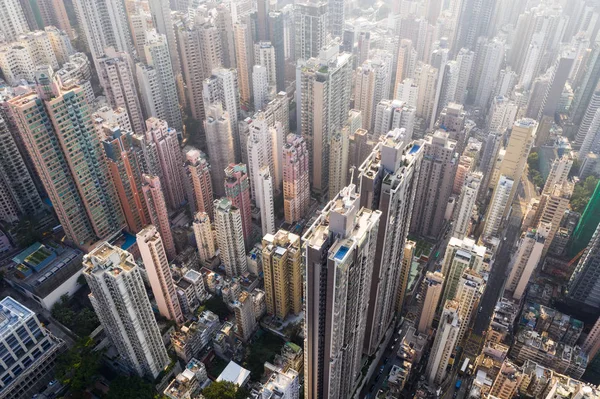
(490, 64)
(157, 267)
(222, 87)
(461, 254)
(117, 80)
(394, 114)
(230, 237)
(264, 188)
(260, 153)
(426, 78)
(205, 239)
(163, 23)
(371, 85)
(323, 101)
(407, 92)
(159, 90)
(502, 114)
(119, 298)
(338, 160)
(406, 63)
(468, 292)
(260, 86)
(464, 60)
(264, 55)
(310, 23)
(12, 20)
(466, 204)
(104, 24)
(337, 284)
(444, 344)
(219, 145)
(525, 261)
(388, 184)
(499, 203)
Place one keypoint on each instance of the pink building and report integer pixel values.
(296, 189)
(170, 159)
(237, 189)
(159, 274)
(198, 171)
(159, 216)
(464, 167)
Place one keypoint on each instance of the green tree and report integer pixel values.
(216, 305)
(78, 366)
(81, 323)
(132, 387)
(582, 193)
(224, 390)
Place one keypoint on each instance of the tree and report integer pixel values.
(81, 323)
(582, 193)
(78, 366)
(132, 387)
(224, 390)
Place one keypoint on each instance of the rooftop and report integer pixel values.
(12, 314)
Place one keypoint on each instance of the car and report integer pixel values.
(52, 383)
(396, 339)
(393, 346)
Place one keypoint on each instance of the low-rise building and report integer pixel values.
(189, 382)
(280, 385)
(189, 339)
(235, 374)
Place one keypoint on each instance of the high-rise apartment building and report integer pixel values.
(260, 86)
(591, 345)
(500, 202)
(156, 82)
(515, 159)
(159, 214)
(371, 85)
(19, 194)
(31, 351)
(502, 114)
(339, 250)
(507, 382)
(230, 237)
(310, 24)
(12, 21)
(490, 62)
(222, 87)
(406, 63)
(245, 319)
(261, 153)
(296, 189)
(335, 13)
(122, 305)
(282, 268)
(426, 79)
(219, 144)
(338, 160)
(104, 24)
(394, 114)
(431, 291)
(68, 158)
(470, 288)
(125, 172)
(157, 267)
(116, 78)
(444, 344)
(264, 190)
(460, 255)
(205, 239)
(435, 184)
(529, 253)
(163, 23)
(388, 184)
(466, 204)
(553, 204)
(584, 287)
(170, 158)
(237, 189)
(323, 90)
(201, 51)
(244, 54)
(199, 174)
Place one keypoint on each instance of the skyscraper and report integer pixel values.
(237, 189)
(372, 84)
(282, 267)
(460, 255)
(431, 290)
(335, 13)
(219, 144)
(323, 89)
(444, 344)
(157, 267)
(261, 153)
(205, 240)
(470, 287)
(267, 210)
(245, 319)
(170, 159)
(339, 251)
(20, 196)
(159, 215)
(121, 303)
(12, 20)
(163, 23)
(104, 24)
(387, 184)
(310, 23)
(435, 184)
(591, 345)
(296, 189)
(551, 208)
(393, 114)
(125, 172)
(156, 82)
(117, 81)
(230, 237)
(466, 204)
(199, 173)
(244, 54)
(68, 157)
(529, 253)
(584, 288)
(500, 202)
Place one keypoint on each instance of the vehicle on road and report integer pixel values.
(458, 384)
